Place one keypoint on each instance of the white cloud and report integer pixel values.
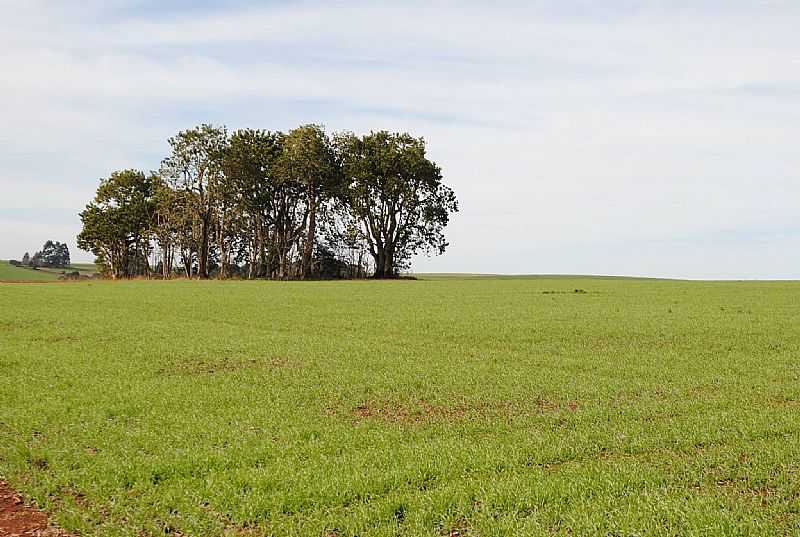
(564, 127)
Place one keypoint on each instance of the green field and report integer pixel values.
(89, 268)
(434, 407)
(10, 273)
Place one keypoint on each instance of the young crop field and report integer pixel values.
(9, 272)
(454, 406)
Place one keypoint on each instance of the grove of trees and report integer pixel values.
(262, 204)
(53, 254)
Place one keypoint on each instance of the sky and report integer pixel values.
(620, 137)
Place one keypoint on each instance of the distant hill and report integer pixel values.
(10, 273)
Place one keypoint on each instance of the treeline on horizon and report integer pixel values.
(53, 254)
(263, 204)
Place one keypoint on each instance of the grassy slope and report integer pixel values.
(9, 272)
(88, 268)
(405, 408)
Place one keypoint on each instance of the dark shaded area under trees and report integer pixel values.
(261, 204)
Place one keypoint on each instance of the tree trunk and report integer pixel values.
(251, 262)
(202, 258)
(283, 262)
(166, 261)
(186, 257)
(384, 261)
(380, 257)
(388, 268)
(263, 262)
(311, 232)
(223, 251)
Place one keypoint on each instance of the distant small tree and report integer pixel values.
(63, 255)
(26, 259)
(53, 254)
(48, 254)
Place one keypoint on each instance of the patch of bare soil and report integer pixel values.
(422, 411)
(20, 519)
(785, 402)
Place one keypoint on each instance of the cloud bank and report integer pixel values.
(641, 138)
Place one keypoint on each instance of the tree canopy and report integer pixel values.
(53, 254)
(261, 204)
(396, 196)
(117, 223)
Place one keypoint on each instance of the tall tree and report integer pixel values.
(308, 160)
(194, 165)
(54, 254)
(249, 165)
(290, 219)
(396, 195)
(169, 225)
(268, 204)
(63, 255)
(117, 223)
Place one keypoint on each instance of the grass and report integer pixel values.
(10, 273)
(433, 407)
(85, 267)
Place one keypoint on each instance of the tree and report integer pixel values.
(194, 166)
(118, 222)
(58, 256)
(26, 259)
(269, 205)
(53, 254)
(308, 160)
(49, 254)
(65, 260)
(249, 165)
(396, 195)
(169, 225)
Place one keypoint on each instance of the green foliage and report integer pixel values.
(249, 167)
(117, 223)
(481, 405)
(308, 161)
(396, 196)
(263, 205)
(53, 254)
(194, 166)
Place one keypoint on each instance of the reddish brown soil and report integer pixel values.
(19, 519)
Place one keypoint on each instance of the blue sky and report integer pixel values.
(644, 138)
